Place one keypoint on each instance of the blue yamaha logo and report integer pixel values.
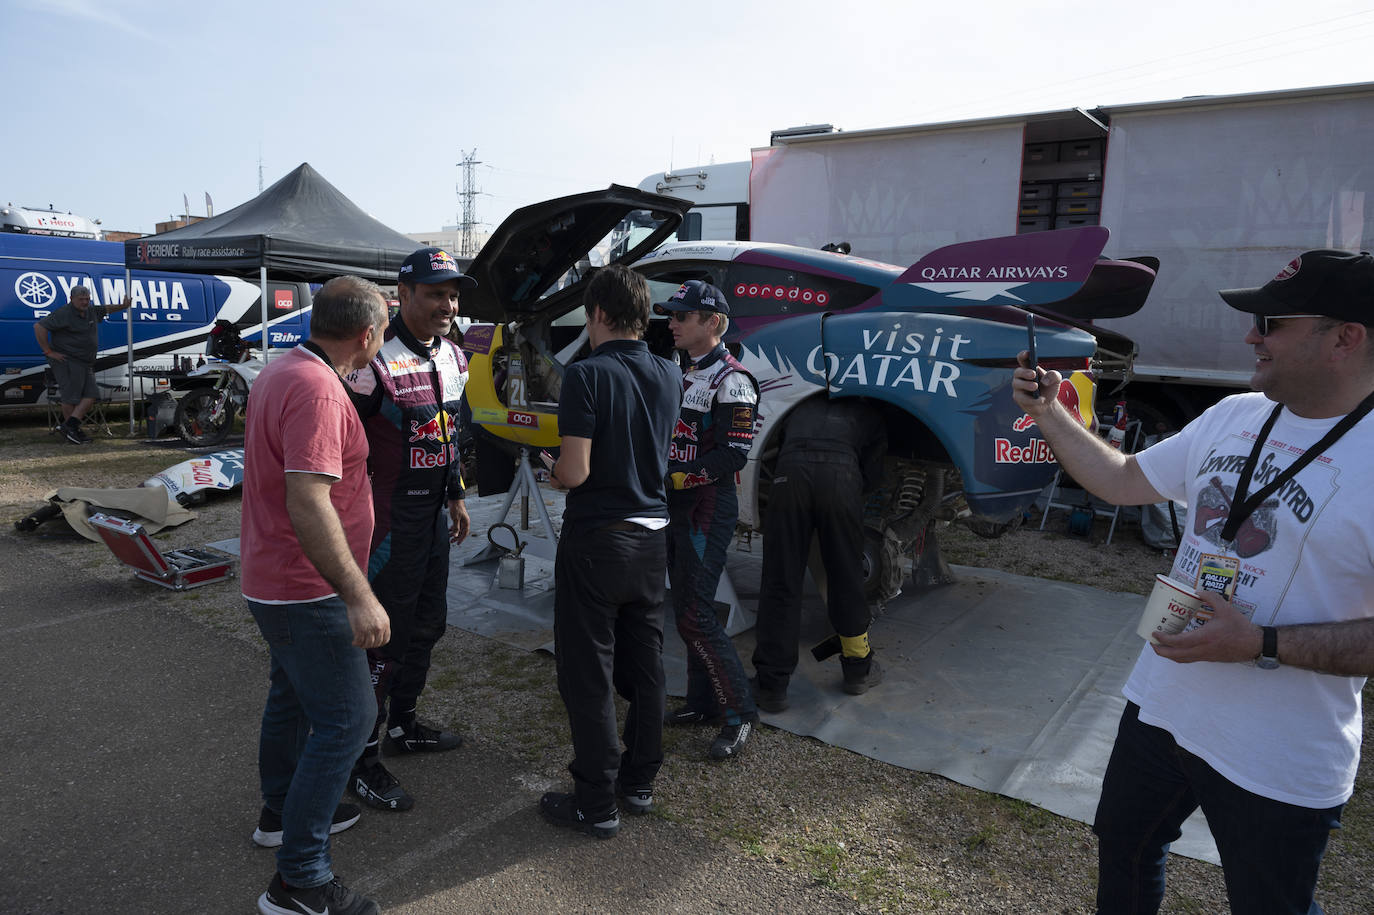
(35, 290)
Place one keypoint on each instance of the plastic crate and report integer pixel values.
(1039, 153)
(1080, 151)
(1036, 207)
(1032, 224)
(1079, 189)
(1077, 206)
(1073, 222)
(1033, 191)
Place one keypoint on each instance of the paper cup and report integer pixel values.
(1170, 608)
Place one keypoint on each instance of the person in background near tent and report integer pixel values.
(409, 397)
(1253, 715)
(616, 413)
(307, 523)
(70, 338)
(832, 452)
(711, 442)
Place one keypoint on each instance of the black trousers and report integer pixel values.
(608, 635)
(808, 497)
(410, 578)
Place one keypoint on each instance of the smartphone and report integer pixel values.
(547, 459)
(1030, 340)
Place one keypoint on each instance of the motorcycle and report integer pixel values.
(205, 414)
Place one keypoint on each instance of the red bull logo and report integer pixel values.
(437, 429)
(1037, 451)
(443, 261)
(1024, 423)
(1076, 393)
(686, 431)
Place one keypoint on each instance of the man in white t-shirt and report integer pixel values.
(1255, 715)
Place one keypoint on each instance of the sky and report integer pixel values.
(115, 109)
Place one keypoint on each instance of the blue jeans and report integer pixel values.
(1270, 851)
(320, 710)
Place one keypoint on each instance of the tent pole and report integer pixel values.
(129, 330)
(262, 284)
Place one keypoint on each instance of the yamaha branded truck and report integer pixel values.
(171, 313)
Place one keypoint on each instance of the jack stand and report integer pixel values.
(527, 488)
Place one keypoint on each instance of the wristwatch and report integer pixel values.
(1269, 650)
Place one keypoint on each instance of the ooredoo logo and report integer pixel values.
(35, 290)
(779, 292)
(1287, 273)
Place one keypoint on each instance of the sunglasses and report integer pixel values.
(680, 317)
(1264, 328)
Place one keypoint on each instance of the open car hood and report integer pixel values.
(536, 246)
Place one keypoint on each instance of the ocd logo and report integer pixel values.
(782, 293)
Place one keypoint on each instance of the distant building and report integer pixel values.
(450, 238)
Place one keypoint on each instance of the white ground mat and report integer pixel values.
(1000, 682)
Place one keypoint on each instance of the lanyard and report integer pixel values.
(1241, 506)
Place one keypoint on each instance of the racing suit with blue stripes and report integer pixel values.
(408, 397)
(711, 442)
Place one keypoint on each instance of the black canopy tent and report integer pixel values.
(301, 228)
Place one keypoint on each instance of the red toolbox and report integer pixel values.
(178, 570)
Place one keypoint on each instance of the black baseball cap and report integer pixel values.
(1328, 282)
(695, 295)
(433, 265)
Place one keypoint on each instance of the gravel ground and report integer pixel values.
(876, 837)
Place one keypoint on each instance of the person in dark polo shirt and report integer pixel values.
(70, 339)
(616, 414)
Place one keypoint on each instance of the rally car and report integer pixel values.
(934, 344)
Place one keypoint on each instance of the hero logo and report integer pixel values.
(782, 293)
(522, 419)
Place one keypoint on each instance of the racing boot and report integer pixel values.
(376, 787)
(861, 673)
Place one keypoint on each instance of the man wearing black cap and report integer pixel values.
(711, 442)
(408, 397)
(1253, 715)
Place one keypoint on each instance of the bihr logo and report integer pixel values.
(35, 290)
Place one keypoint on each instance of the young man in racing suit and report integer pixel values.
(408, 398)
(710, 444)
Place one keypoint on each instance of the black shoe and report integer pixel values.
(333, 898)
(562, 810)
(639, 800)
(732, 739)
(74, 434)
(770, 700)
(684, 716)
(268, 833)
(418, 738)
(376, 787)
(860, 674)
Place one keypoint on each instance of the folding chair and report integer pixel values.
(95, 419)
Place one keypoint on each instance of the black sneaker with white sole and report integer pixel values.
(74, 434)
(268, 833)
(732, 739)
(639, 799)
(418, 738)
(562, 810)
(376, 787)
(333, 898)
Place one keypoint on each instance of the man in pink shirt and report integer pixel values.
(307, 525)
